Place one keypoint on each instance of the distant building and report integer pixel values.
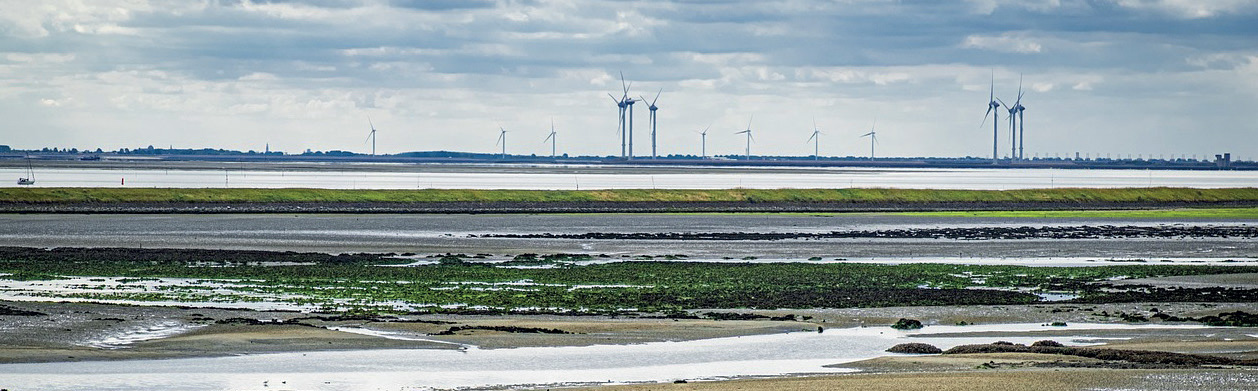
(1223, 161)
(5, 148)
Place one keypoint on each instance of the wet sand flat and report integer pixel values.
(1037, 380)
(453, 233)
(1238, 280)
(1040, 379)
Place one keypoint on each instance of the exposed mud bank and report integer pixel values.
(979, 233)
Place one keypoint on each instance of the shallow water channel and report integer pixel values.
(561, 177)
(420, 369)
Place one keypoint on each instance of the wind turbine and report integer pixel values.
(816, 135)
(630, 102)
(1013, 136)
(371, 136)
(502, 139)
(992, 105)
(1015, 139)
(703, 136)
(625, 103)
(653, 108)
(1017, 105)
(620, 124)
(749, 138)
(551, 137)
(873, 138)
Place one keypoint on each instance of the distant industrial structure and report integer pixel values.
(551, 137)
(873, 138)
(370, 136)
(816, 139)
(749, 138)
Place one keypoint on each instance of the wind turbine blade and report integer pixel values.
(814, 135)
(992, 91)
(753, 116)
(989, 113)
(609, 95)
(622, 82)
(373, 126)
(1002, 103)
(867, 134)
(657, 96)
(1019, 89)
(369, 134)
(705, 130)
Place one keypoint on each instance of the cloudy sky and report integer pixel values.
(1102, 76)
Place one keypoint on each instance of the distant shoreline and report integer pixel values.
(357, 161)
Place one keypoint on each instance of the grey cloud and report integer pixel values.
(465, 64)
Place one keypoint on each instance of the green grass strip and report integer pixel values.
(1191, 213)
(105, 195)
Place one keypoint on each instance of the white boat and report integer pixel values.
(30, 174)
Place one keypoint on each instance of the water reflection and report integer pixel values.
(543, 178)
(416, 369)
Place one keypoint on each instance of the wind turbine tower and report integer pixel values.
(371, 136)
(703, 137)
(749, 138)
(653, 108)
(816, 138)
(625, 104)
(992, 105)
(1022, 122)
(551, 137)
(502, 139)
(630, 102)
(873, 138)
(1015, 139)
(622, 104)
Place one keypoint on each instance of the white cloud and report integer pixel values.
(853, 75)
(1192, 8)
(1007, 42)
(40, 58)
(259, 76)
(302, 74)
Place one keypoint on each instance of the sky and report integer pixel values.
(1100, 77)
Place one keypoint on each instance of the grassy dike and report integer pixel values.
(1180, 213)
(849, 196)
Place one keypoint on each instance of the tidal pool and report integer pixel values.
(425, 369)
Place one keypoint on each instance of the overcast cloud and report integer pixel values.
(1102, 76)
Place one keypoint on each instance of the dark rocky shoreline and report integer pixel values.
(978, 233)
(578, 207)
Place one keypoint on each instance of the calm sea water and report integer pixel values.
(418, 369)
(543, 178)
